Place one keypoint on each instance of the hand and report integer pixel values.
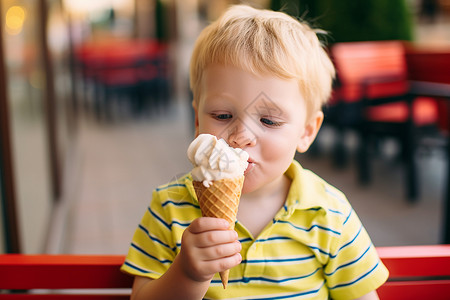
(208, 247)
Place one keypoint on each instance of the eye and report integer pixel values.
(223, 116)
(269, 122)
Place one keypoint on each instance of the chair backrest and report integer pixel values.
(357, 62)
(431, 65)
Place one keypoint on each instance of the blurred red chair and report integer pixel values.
(154, 75)
(372, 97)
(431, 65)
(88, 60)
(118, 69)
(429, 72)
(119, 77)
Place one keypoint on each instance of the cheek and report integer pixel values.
(280, 146)
(205, 125)
(210, 128)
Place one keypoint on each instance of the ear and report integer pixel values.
(311, 129)
(194, 106)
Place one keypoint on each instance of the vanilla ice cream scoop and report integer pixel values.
(214, 159)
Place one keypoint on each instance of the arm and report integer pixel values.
(207, 247)
(370, 296)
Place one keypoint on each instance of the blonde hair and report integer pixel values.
(265, 42)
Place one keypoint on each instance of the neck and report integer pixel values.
(276, 189)
(258, 208)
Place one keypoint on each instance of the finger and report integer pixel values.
(226, 263)
(211, 267)
(207, 224)
(221, 251)
(216, 237)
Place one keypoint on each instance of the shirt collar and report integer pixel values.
(303, 192)
(190, 187)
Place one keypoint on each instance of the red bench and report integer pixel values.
(77, 276)
(416, 272)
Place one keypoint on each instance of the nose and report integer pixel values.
(240, 135)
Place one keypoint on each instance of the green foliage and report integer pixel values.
(161, 21)
(353, 20)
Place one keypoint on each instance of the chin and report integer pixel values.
(249, 186)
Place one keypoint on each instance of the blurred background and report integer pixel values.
(95, 113)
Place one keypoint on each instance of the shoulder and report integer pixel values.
(179, 190)
(174, 204)
(175, 198)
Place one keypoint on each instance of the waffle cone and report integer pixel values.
(220, 200)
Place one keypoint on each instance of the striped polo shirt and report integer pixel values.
(314, 248)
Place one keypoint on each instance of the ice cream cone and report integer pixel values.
(218, 177)
(220, 200)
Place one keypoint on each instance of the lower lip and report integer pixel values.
(249, 168)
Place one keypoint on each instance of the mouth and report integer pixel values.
(250, 166)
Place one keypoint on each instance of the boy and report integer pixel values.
(259, 80)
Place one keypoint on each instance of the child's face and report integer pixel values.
(265, 116)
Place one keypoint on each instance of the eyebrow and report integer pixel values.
(216, 96)
(266, 107)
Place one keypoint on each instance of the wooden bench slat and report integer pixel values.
(410, 290)
(62, 272)
(410, 261)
